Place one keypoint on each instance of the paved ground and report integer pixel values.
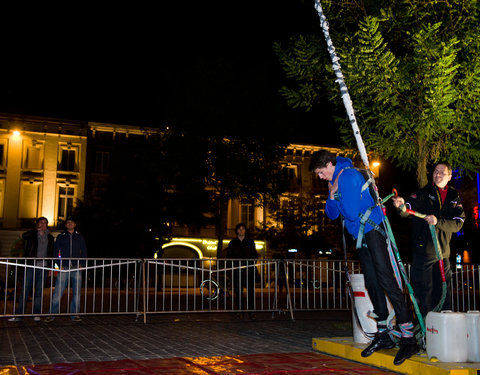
(107, 338)
(176, 344)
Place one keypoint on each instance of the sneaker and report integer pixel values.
(381, 341)
(76, 319)
(15, 319)
(37, 318)
(49, 319)
(408, 348)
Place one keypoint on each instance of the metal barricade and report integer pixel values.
(102, 286)
(465, 286)
(153, 286)
(319, 284)
(211, 285)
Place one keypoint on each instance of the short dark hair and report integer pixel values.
(40, 219)
(320, 159)
(441, 162)
(238, 226)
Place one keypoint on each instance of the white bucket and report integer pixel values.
(363, 305)
(473, 335)
(446, 336)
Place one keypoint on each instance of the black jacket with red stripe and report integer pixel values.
(450, 217)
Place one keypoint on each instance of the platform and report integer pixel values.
(417, 365)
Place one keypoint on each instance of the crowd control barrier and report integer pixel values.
(141, 287)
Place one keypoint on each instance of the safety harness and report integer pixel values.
(394, 255)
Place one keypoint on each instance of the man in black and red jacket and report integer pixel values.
(442, 205)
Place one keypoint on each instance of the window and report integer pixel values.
(292, 172)
(66, 197)
(32, 155)
(2, 196)
(2, 154)
(102, 161)
(68, 155)
(29, 200)
(247, 214)
(68, 160)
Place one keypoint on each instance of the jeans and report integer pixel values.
(74, 278)
(31, 276)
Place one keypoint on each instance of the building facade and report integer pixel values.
(42, 168)
(47, 164)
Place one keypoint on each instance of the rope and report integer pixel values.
(343, 87)
(361, 146)
(438, 252)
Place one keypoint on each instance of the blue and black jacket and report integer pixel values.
(350, 200)
(70, 246)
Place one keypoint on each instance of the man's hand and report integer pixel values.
(332, 188)
(431, 219)
(398, 201)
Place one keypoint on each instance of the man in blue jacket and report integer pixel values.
(69, 245)
(347, 198)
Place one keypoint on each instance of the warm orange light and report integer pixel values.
(376, 164)
(466, 257)
(16, 133)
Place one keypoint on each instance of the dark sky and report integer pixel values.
(204, 65)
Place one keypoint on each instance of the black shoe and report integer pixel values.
(408, 348)
(381, 341)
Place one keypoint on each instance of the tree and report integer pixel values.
(413, 74)
(152, 184)
(243, 168)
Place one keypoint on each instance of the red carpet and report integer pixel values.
(268, 364)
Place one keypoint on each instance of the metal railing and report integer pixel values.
(158, 286)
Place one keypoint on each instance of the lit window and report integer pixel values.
(247, 214)
(29, 199)
(32, 155)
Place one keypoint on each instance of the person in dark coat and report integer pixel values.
(39, 243)
(68, 245)
(244, 274)
(443, 207)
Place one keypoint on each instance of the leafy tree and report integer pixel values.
(413, 74)
(242, 168)
(152, 184)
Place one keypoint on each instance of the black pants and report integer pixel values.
(244, 279)
(380, 279)
(427, 283)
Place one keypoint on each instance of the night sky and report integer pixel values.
(201, 66)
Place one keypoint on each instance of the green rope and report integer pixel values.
(402, 269)
(438, 252)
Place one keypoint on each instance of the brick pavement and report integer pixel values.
(109, 338)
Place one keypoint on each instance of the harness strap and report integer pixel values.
(365, 218)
